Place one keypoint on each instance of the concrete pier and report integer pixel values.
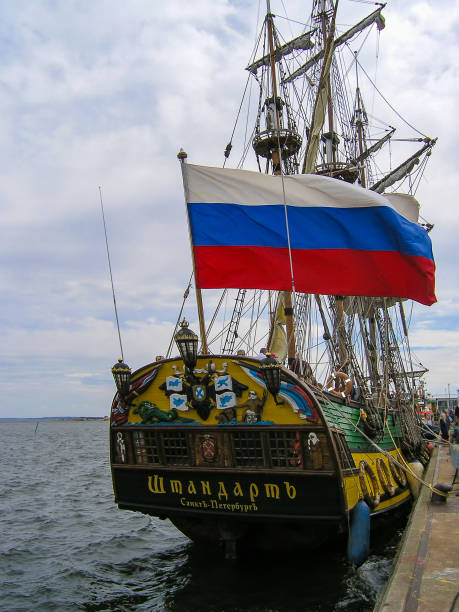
(426, 572)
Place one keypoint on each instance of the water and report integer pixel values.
(65, 546)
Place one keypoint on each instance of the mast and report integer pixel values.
(277, 169)
(331, 140)
(328, 79)
(360, 117)
(340, 143)
(278, 140)
(360, 120)
(276, 153)
(340, 332)
(322, 101)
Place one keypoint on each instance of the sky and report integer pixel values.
(104, 94)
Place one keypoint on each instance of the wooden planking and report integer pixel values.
(355, 440)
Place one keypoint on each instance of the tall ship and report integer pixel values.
(287, 416)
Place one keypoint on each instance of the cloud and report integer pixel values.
(97, 94)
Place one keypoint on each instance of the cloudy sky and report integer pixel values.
(105, 93)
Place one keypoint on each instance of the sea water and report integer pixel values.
(65, 545)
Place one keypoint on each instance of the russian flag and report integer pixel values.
(344, 240)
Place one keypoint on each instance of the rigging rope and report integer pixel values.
(111, 276)
(217, 310)
(405, 467)
(389, 104)
(185, 295)
(229, 146)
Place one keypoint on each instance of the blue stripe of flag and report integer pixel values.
(374, 228)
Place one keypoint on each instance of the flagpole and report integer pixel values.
(182, 156)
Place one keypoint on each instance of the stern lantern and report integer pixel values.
(271, 372)
(122, 375)
(187, 344)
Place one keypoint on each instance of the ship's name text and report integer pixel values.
(223, 494)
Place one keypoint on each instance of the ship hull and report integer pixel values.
(269, 511)
(286, 481)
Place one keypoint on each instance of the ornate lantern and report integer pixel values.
(122, 375)
(271, 372)
(187, 344)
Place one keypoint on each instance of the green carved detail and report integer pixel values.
(150, 413)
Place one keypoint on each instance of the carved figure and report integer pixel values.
(250, 416)
(150, 413)
(227, 415)
(254, 407)
(315, 451)
(297, 458)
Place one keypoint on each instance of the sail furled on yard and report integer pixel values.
(404, 169)
(303, 42)
(375, 17)
(342, 239)
(374, 148)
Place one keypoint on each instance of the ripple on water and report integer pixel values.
(67, 546)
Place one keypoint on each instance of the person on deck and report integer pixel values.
(453, 433)
(444, 425)
(262, 353)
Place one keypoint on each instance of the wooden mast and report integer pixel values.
(372, 354)
(359, 113)
(339, 323)
(328, 85)
(277, 169)
(276, 160)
